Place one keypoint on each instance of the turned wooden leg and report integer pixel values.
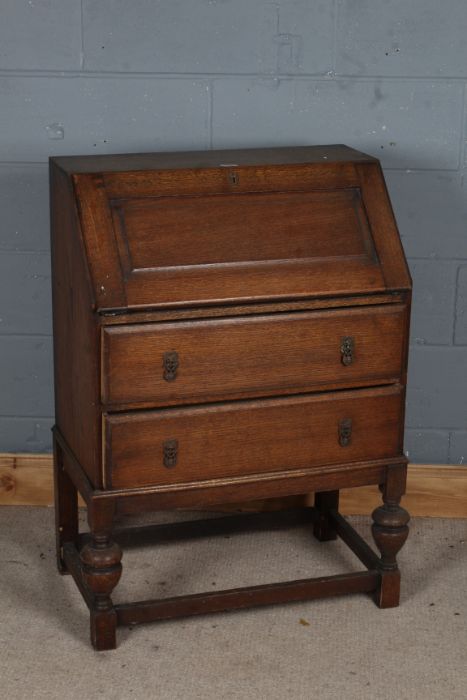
(324, 503)
(66, 506)
(100, 559)
(390, 531)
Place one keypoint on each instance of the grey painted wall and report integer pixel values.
(102, 76)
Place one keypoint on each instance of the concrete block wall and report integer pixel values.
(101, 76)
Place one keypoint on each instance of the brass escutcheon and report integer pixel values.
(171, 363)
(170, 449)
(345, 432)
(347, 348)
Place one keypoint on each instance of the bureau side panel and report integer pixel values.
(383, 225)
(405, 362)
(76, 333)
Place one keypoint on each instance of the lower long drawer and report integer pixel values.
(177, 445)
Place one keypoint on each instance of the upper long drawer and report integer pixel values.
(208, 360)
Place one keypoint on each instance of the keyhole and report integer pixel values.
(233, 177)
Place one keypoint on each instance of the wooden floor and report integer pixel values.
(432, 490)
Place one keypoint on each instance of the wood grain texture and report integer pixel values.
(383, 225)
(172, 393)
(76, 331)
(66, 506)
(272, 484)
(209, 159)
(101, 253)
(151, 315)
(433, 491)
(247, 597)
(277, 177)
(256, 356)
(285, 279)
(241, 438)
(167, 232)
(26, 479)
(198, 235)
(95, 568)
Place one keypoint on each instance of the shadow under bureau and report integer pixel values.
(228, 326)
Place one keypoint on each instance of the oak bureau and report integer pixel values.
(228, 326)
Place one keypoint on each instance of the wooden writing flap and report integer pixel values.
(231, 233)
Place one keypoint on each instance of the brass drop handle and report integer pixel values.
(347, 350)
(171, 363)
(345, 432)
(170, 453)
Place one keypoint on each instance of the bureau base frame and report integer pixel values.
(93, 559)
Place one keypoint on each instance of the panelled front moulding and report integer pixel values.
(228, 325)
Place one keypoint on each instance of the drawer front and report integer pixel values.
(177, 445)
(183, 362)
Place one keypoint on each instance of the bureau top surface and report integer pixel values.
(127, 162)
(217, 227)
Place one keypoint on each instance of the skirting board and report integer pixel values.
(432, 490)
